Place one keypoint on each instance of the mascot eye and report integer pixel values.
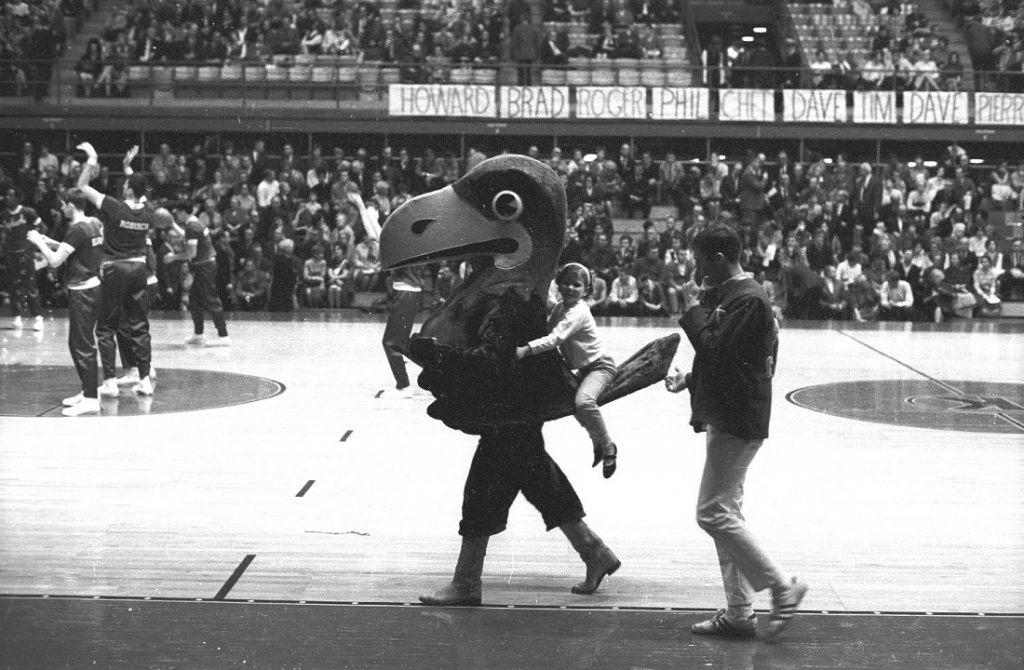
(421, 225)
(507, 205)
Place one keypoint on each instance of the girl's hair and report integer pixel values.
(576, 270)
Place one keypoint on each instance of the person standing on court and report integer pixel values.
(81, 249)
(123, 272)
(408, 285)
(735, 339)
(202, 259)
(20, 260)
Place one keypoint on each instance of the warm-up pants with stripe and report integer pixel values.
(83, 309)
(125, 296)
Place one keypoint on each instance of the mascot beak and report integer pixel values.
(442, 226)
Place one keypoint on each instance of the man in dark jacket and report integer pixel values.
(734, 336)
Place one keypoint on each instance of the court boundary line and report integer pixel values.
(235, 576)
(949, 387)
(892, 358)
(495, 606)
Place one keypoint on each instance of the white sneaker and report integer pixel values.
(86, 406)
(197, 340)
(108, 389)
(784, 607)
(73, 400)
(220, 342)
(398, 394)
(18, 324)
(152, 374)
(144, 387)
(37, 323)
(129, 377)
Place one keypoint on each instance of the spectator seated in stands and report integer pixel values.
(623, 294)
(863, 299)
(943, 300)
(925, 73)
(252, 289)
(554, 48)
(651, 298)
(314, 278)
(985, 284)
(897, 299)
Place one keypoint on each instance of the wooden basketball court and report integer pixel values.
(267, 509)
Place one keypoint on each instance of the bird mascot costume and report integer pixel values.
(507, 219)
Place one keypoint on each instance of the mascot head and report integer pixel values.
(507, 217)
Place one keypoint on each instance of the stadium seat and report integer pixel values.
(485, 76)
(553, 77)
(602, 75)
(184, 81)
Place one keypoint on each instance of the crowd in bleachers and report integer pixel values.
(830, 239)
(851, 44)
(423, 40)
(32, 35)
(994, 31)
(887, 45)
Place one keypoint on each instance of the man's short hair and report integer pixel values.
(138, 184)
(718, 239)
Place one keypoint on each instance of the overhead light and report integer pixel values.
(911, 164)
(930, 164)
(977, 161)
(721, 157)
(760, 30)
(826, 161)
(748, 38)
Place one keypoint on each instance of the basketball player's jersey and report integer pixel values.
(195, 230)
(86, 238)
(126, 229)
(18, 222)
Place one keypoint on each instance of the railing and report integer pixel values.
(345, 80)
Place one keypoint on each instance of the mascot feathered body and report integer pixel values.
(507, 219)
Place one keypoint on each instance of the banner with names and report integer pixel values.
(999, 109)
(693, 104)
(442, 100)
(746, 104)
(534, 102)
(934, 107)
(611, 102)
(679, 103)
(874, 107)
(814, 106)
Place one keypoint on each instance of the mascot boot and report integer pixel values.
(595, 553)
(465, 588)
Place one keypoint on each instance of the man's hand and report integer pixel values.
(89, 151)
(34, 236)
(691, 295)
(522, 352)
(675, 380)
(130, 155)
